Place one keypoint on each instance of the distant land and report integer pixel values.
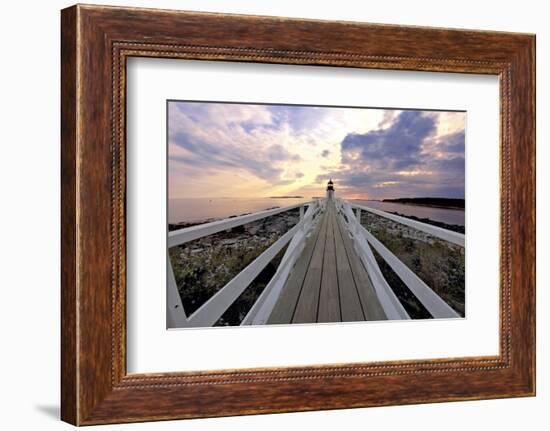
(431, 202)
(286, 197)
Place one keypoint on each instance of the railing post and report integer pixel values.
(175, 316)
(303, 214)
(357, 223)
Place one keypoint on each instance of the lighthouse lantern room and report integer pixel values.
(330, 189)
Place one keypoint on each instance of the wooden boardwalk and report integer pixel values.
(328, 282)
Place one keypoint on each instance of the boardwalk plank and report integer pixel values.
(328, 282)
(284, 308)
(306, 308)
(369, 300)
(329, 301)
(350, 303)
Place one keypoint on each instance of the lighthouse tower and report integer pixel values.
(330, 189)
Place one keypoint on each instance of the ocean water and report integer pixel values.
(201, 209)
(445, 215)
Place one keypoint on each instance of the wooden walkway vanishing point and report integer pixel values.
(328, 283)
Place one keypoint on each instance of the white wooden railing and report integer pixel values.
(364, 243)
(444, 234)
(209, 313)
(364, 240)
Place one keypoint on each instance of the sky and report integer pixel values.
(251, 150)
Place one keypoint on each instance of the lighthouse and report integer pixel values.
(330, 189)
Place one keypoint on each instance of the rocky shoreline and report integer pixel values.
(452, 227)
(440, 264)
(204, 266)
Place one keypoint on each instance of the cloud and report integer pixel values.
(396, 147)
(388, 118)
(227, 136)
(406, 158)
(220, 149)
(299, 118)
(453, 143)
(279, 153)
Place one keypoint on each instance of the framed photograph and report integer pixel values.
(259, 233)
(264, 215)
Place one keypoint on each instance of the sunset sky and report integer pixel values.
(240, 150)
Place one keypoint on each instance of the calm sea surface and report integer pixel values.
(199, 209)
(449, 216)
